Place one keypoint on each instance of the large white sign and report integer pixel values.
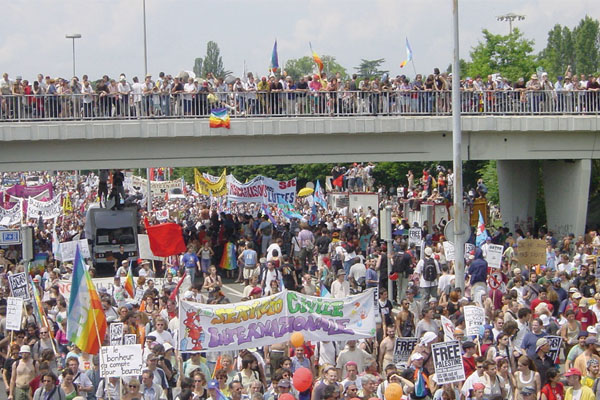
(494, 255)
(117, 361)
(414, 236)
(137, 184)
(67, 250)
(474, 320)
(12, 216)
(261, 190)
(448, 251)
(448, 362)
(14, 313)
(46, 209)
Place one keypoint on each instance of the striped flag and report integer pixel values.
(409, 55)
(219, 118)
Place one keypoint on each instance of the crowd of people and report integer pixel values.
(45, 97)
(341, 254)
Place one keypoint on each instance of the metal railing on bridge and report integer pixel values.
(294, 103)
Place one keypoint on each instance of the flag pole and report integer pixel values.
(413, 64)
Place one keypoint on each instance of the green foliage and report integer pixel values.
(559, 52)
(464, 66)
(297, 67)
(489, 174)
(370, 68)
(510, 55)
(587, 46)
(213, 62)
(198, 66)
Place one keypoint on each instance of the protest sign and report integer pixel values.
(555, 343)
(24, 191)
(118, 361)
(18, 285)
(495, 280)
(13, 215)
(532, 251)
(14, 313)
(494, 255)
(448, 251)
(145, 251)
(468, 249)
(448, 362)
(46, 209)
(474, 320)
(448, 328)
(67, 250)
(403, 347)
(273, 319)
(158, 188)
(64, 288)
(261, 190)
(116, 333)
(162, 215)
(129, 339)
(208, 185)
(414, 236)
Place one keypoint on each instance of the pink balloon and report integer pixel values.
(302, 379)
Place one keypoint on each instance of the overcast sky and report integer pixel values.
(32, 33)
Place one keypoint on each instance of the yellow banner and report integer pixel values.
(210, 187)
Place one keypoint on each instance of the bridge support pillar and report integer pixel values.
(517, 184)
(566, 190)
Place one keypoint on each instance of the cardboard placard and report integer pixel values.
(448, 251)
(18, 285)
(555, 343)
(494, 255)
(403, 348)
(116, 333)
(532, 251)
(474, 320)
(448, 362)
(414, 236)
(14, 313)
(118, 361)
(130, 338)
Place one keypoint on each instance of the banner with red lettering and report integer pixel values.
(261, 190)
(273, 319)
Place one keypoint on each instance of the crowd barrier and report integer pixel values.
(294, 103)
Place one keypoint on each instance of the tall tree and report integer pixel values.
(511, 55)
(213, 62)
(587, 45)
(198, 66)
(559, 52)
(370, 68)
(297, 67)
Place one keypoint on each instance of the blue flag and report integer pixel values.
(319, 197)
(482, 234)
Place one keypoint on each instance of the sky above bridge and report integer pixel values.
(32, 33)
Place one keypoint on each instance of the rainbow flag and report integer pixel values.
(274, 59)
(228, 260)
(316, 58)
(408, 55)
(86, 322)
(219, 118)
(37, 306)
(129, 285)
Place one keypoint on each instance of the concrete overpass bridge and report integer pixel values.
(566, 144)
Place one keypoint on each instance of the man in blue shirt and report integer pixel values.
(248, 259)
(191, 263)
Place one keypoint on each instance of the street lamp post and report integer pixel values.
(459, 260)
(73, 36)
(510, 17)
(145, 43)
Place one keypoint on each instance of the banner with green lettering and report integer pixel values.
(273, 319)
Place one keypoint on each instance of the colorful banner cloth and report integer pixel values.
(273, 319)
(209, 185)
(261, 190)
(219, 118)
(30, 191)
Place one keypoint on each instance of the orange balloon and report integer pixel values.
(393, 392)
(297, 339)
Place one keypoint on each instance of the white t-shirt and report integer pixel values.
(419, 270)
(163, 337)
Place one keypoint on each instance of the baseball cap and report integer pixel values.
(284, 383)
(573, 371)
(478, 386)
(213, 384)
(428, 251)
(416, 356)
(540, 342)
(256, 290)
(576, 295)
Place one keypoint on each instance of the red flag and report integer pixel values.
(165, 239)
(339, 181)
(173, 295)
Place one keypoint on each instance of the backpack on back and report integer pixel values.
(429, 270)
